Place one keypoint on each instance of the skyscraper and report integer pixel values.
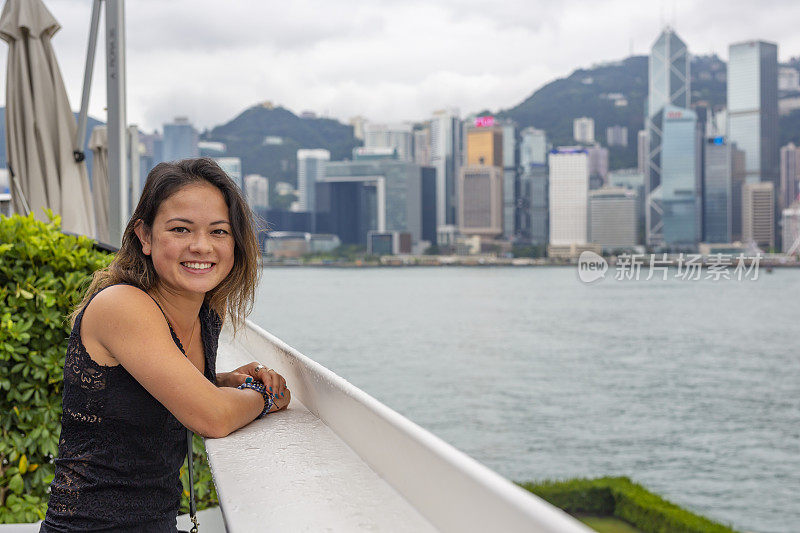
(737, 182)
(533, 219)
(480, 206)
(397, 136)
(180, 140)
(257, 191)
(717, 191)
(668, 73)
(310, 170)
(568, 196)
(672, 173)
(485, 146)
(422, 146)
(613, 218)
(598, 166)
(674, 205)
(790, 174)
(532, 148)
(642, 150)
(753, 107)
(446, 159)
(510, 181)
(233, 168)
(758, 204)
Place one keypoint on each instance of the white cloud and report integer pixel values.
(384, 59)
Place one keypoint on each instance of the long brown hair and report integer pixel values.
(233, 298)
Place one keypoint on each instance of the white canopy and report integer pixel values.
(40, 127)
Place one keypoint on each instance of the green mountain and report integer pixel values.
(586, 92)
(612, 94)
(267, 138)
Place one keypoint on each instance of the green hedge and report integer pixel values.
(628, 501)
(43, 274)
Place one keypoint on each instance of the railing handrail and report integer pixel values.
(452, 491)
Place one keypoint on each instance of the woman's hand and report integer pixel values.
(273, 381)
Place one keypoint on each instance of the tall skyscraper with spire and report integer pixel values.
(672, 183)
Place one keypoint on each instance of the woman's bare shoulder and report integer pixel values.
(116, 312)
(123, 299)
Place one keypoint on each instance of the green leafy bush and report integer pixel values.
(43, 274)
(628, 501)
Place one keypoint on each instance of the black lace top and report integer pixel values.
(120, 450)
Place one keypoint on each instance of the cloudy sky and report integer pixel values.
(387, 60)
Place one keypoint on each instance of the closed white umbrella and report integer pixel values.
(40, 128)
(98, 144)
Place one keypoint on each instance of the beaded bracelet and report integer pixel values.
(257, 386)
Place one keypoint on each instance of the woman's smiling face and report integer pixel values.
(191, 242)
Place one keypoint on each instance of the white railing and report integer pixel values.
(339, 460)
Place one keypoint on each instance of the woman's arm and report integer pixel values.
(127, 323)
(255, 370)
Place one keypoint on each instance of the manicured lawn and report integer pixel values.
(608, 524)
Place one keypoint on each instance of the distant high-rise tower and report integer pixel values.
(485, 146)
(642, 149)
(753, 110)
(533, 219)
(397, 136)
(446, 159)
(480, 193)
(569, 196)
(233, 168)
(510, 178)
(257, 191)
(758, 204)
(672, 173)
(422, 146)
(790, 174)
(717, 191)
(180, 140)
(613, 218)
(598, 166)
(532, 148)
(583, 130)
(310, 170)
(753, 107)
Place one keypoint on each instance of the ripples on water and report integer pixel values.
(691, 388)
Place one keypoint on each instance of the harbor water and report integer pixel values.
(691, 388)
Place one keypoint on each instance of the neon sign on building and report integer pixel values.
(484, 122)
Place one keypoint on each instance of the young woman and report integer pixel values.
(140, 364)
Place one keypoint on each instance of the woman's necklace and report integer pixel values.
(191, 334)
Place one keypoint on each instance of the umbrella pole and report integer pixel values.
(21, 195)
(116, 103)
(87, 81)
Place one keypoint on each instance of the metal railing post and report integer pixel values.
(116, 103)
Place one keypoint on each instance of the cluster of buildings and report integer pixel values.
(180, 140)
(716, 175)
(476, 184)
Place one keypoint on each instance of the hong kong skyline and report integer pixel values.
(383, 60)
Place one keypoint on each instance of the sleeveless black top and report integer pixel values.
(120, 450)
